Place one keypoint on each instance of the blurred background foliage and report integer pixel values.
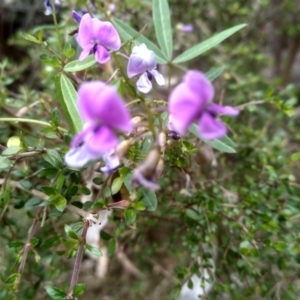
(240, 210)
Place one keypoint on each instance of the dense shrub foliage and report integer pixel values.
(149, 150)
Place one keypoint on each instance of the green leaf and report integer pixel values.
(214, 73)
(70, 232)
(70, 99)
(224, 144)
(295, 156)
(12, 150)
(60, 203)
(77, 65)
(12, 278)
(50, 242)
(192, 214)
(105, 236)
(280, 245)
(68, 50)
(59, 181)
(149, 199)
(53, 158)
(34, 241)
(207, 44)
(55, 293)
(139, 205)
(116, 185)
(5, 163)
(55, 117)
(128, 33)
(32, 203)
(130, 216)
(111, 247)
(78, 289)
(162, 24)
(30, 38)
(94, 250)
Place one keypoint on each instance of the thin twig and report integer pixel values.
(27, 245)
(78, 259)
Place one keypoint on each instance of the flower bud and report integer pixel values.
(145, 173)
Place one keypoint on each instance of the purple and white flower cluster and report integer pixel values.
(105, 113)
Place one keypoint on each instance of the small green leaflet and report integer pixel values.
(70, 99)
(162, 24)
(77, 65)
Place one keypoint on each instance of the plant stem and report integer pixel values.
(27, 244)
(24, 120)
(78, 259)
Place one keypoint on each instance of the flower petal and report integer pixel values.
(85, 35)
(76, 16)
(199, 84)
(222, 110)
(185, 107)
(102, 141)
(160, 80)
(106, 34)
(144, 85)
(99, 103)
(140, 60)
(112, 162)
(86, 52)
(102, 56)
(139, 180)
(78, 157)
(83, 135)
(210, 128)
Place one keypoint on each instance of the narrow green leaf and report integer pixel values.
(94, 250)
(130, 216)
(70, 99)
(77, 65)
(12, 150)
(162, 24)
(30, 38)
(149, 199)
(214, 73)
(127, 33)
(116, 185)
(32, 203)
(53, 158)
(207, 44)
(225, 144)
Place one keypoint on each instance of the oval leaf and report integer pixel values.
(162, 24)
(128, 33)
(116, 185)
(70, 98)
(130, 216)
(149, 199)
(207, 44)
(53, 158)
(77, 65)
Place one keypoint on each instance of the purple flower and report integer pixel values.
(48, 6)
(190, 102)
(143, 61)
(96, 36)
(76, 16)
(187, 28)
(104, 112)
(112, 162)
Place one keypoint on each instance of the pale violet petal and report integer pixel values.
(160, 80)
(112, 162)
(210, 128)
(144, 85)
(78, 157)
